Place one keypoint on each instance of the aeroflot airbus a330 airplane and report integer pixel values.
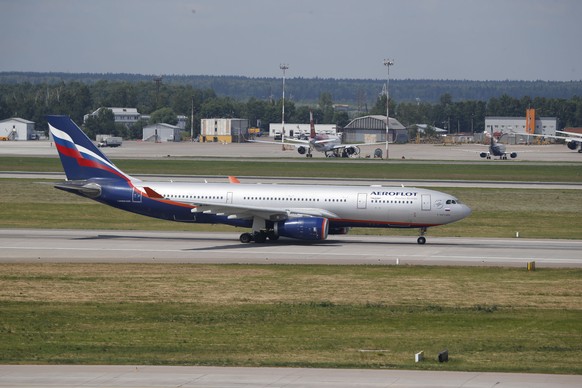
(306, 212)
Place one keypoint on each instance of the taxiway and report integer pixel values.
(68, 376)
(35, 245)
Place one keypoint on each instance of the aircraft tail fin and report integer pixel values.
(81, 159)
(312, 124)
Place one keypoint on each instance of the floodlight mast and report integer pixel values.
(387, 63)
(283, 67)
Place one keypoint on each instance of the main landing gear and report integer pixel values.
(422, 240)
(258, 237)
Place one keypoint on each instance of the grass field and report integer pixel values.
(367, 169)
(490, 319)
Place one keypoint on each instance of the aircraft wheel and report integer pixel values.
(421, 240)
(246, 238)
(273, 236)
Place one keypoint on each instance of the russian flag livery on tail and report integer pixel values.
(305, 212)
(81, 159)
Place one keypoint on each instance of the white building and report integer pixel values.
(224, 130)
(125, 116)
(161, 133)
(517, 125)
(296, 130)
(16, 129)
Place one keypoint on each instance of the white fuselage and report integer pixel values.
(345, 205)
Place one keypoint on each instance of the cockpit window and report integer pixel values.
(454, 202)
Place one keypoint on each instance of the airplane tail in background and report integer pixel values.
(81, 159)
(312, 135)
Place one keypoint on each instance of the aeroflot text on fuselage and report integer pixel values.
(396, 193)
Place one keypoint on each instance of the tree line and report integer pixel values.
(356, 92)
(164, 101)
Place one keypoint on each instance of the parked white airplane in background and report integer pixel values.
(331, 145)
(496, 149)
(305, 212)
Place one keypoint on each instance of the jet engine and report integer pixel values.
(350, 151)
(305, 228)
(483, 154)
(302, 150)
(572, 145)
(513, 155)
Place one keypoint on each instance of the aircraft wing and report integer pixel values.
(244, 212)
(293, 142)
(570, 136)
(340, 146)
(268, 213)
(573, 135)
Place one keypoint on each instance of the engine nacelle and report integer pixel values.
(513, 155)
(306, 228)
(572, 145)
(483, 154)
(302, 150)
(350, 151)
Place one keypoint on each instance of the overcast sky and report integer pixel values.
(427, 39)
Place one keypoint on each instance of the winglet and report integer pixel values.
(233, 179)
(152, 193)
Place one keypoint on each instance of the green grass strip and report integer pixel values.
(490, 319)
(364, 169)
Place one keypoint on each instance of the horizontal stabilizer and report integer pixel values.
(86, 188)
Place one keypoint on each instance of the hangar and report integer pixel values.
(16, 128)
(371, 129)
(160, 132)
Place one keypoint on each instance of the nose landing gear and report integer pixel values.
(422, 240)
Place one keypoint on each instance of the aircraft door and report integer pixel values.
(425, 202)
(229, 197)
(362, 200)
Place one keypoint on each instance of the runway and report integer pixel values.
(465, 153)
(67, 376)
(82, 246)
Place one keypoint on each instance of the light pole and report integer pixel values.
(283, 67)
(387, 63)
(192, 122)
